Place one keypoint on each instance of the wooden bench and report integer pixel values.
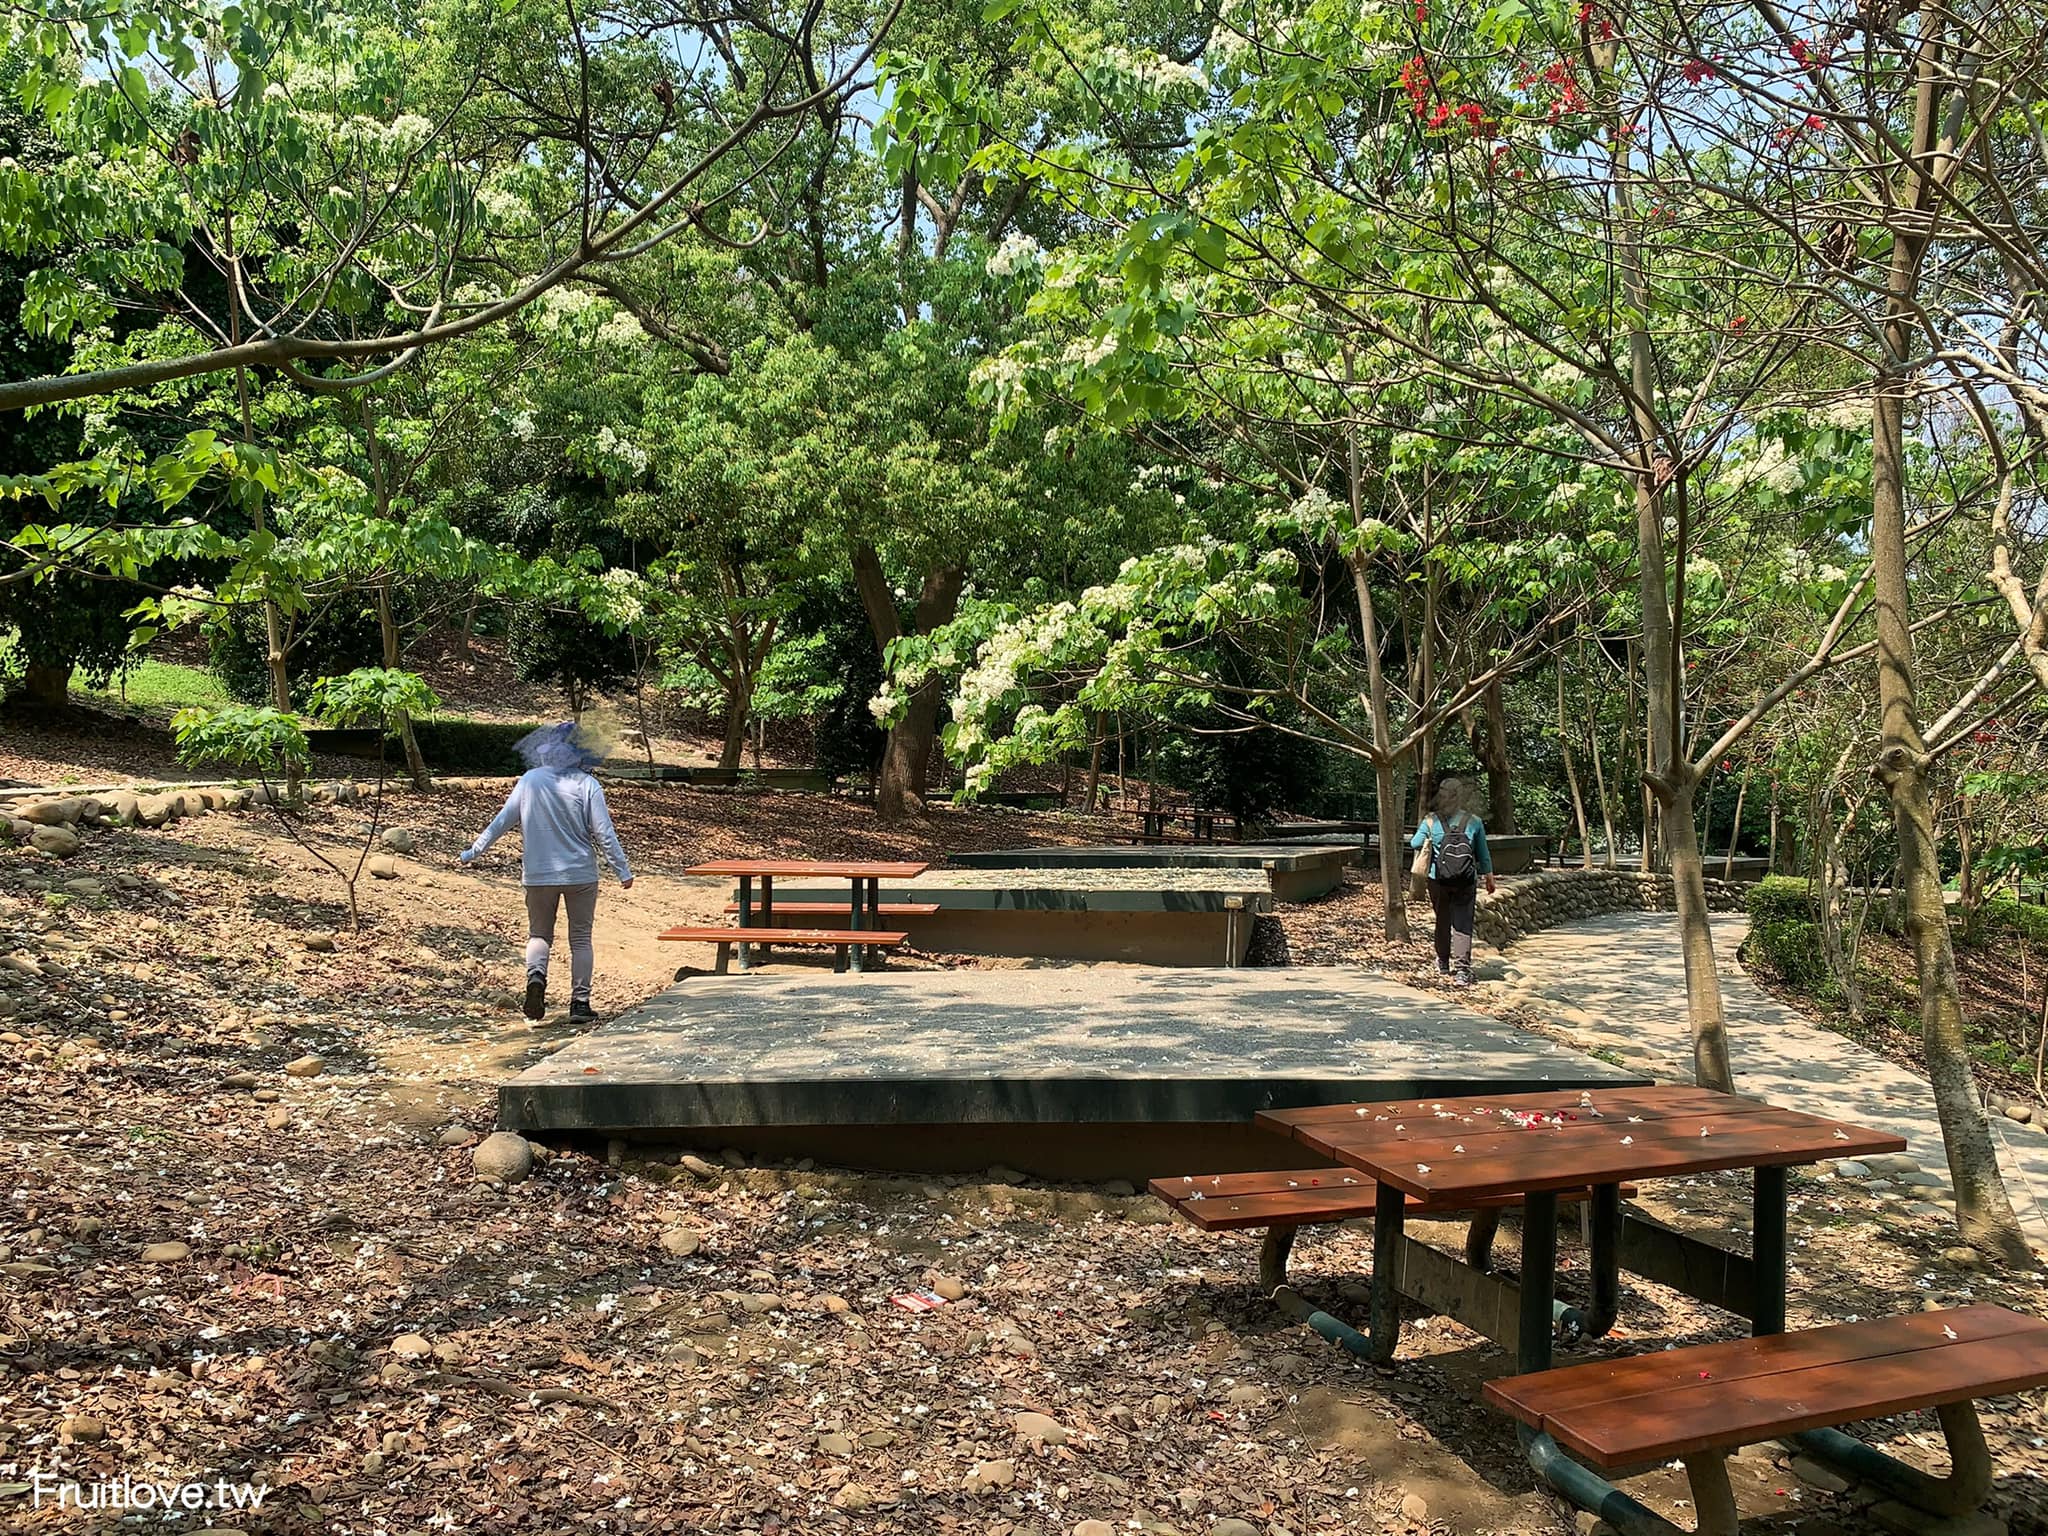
(1285, 1201)
(838, 939)
(1697, 1404)
(838, 908)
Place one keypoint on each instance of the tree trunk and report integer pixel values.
(734, 747)
(1500, 787)
(1571, 773)
(1091, 794)
(906, 759)
(1983, 1209)
(47, 686)
(1393, 887)
(1599, 772)
(1673, 782)
(1735, 829)
(387, 630)
(1393, 855)
(1771, 854)
(464, 643)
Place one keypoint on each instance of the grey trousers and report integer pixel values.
(1453, 901)
(581, 902)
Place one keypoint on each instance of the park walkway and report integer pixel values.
(1618, 984)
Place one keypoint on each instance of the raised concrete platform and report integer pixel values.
(1294, 871)
(1141, 917)
(1514, 853)
(1074, 1072)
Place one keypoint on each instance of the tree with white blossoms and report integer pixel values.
(1531, 204)
(303, 187)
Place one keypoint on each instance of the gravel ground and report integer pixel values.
(346, 1316)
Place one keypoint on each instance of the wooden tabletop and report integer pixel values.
(827, 868)
(1443, 1150)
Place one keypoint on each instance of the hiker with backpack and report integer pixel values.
(1451, 854)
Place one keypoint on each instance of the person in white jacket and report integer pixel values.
(561, 815)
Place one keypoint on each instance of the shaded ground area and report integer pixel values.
(658, 1347)
(2003, 982)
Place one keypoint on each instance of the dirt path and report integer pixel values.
(1618, 983)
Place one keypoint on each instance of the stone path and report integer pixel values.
(1618, 984)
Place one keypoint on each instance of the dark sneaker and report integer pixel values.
(580, 1011)
(536, 997)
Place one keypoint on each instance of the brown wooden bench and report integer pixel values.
(838, 908)
(1697, 1404)
(838, 939)
(1285, 1201)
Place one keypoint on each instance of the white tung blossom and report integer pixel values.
(620, 450)
(1002, 378)
(1151, 71)
(1088, 354)
(1848, 415)
(1227, 46)
(1018, 254)
(1777, 469)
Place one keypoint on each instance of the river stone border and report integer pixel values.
(53, 823)
(1545, 900)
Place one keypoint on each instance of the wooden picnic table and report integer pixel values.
(866, 877)
(1201, 819)
(1478, 1152)
(1471, 1152)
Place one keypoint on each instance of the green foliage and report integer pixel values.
(2001, 918)
(253, 739)
(1252, 773)
(548, 645)
(154, 684)
(1784, 931)
(343, 637)
(379, 696)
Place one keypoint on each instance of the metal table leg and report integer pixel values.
(1605, 1210)
(746, 917)
(1767, 1229)
(857, 954)
(767, 910)
(1383, 1316)
(880, 956)
(1583, 1487)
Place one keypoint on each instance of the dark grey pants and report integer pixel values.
(1454, 901)
(580, 902)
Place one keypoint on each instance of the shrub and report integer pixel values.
(342, 639)
(2001, 916)
(1784, 931)
(471, 746)
(566, 649)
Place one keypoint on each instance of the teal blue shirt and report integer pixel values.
(1432, 828)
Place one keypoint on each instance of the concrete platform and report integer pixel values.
(1294, 871)
(1514, 853)
(1141, 917)
(1074, 1072)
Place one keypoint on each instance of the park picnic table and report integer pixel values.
(864, 875)
(1155, 822)
(1479, 1154)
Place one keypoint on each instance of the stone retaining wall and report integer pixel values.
(1525, 906)
(52, 825)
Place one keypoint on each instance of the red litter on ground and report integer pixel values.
(918, 1301)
